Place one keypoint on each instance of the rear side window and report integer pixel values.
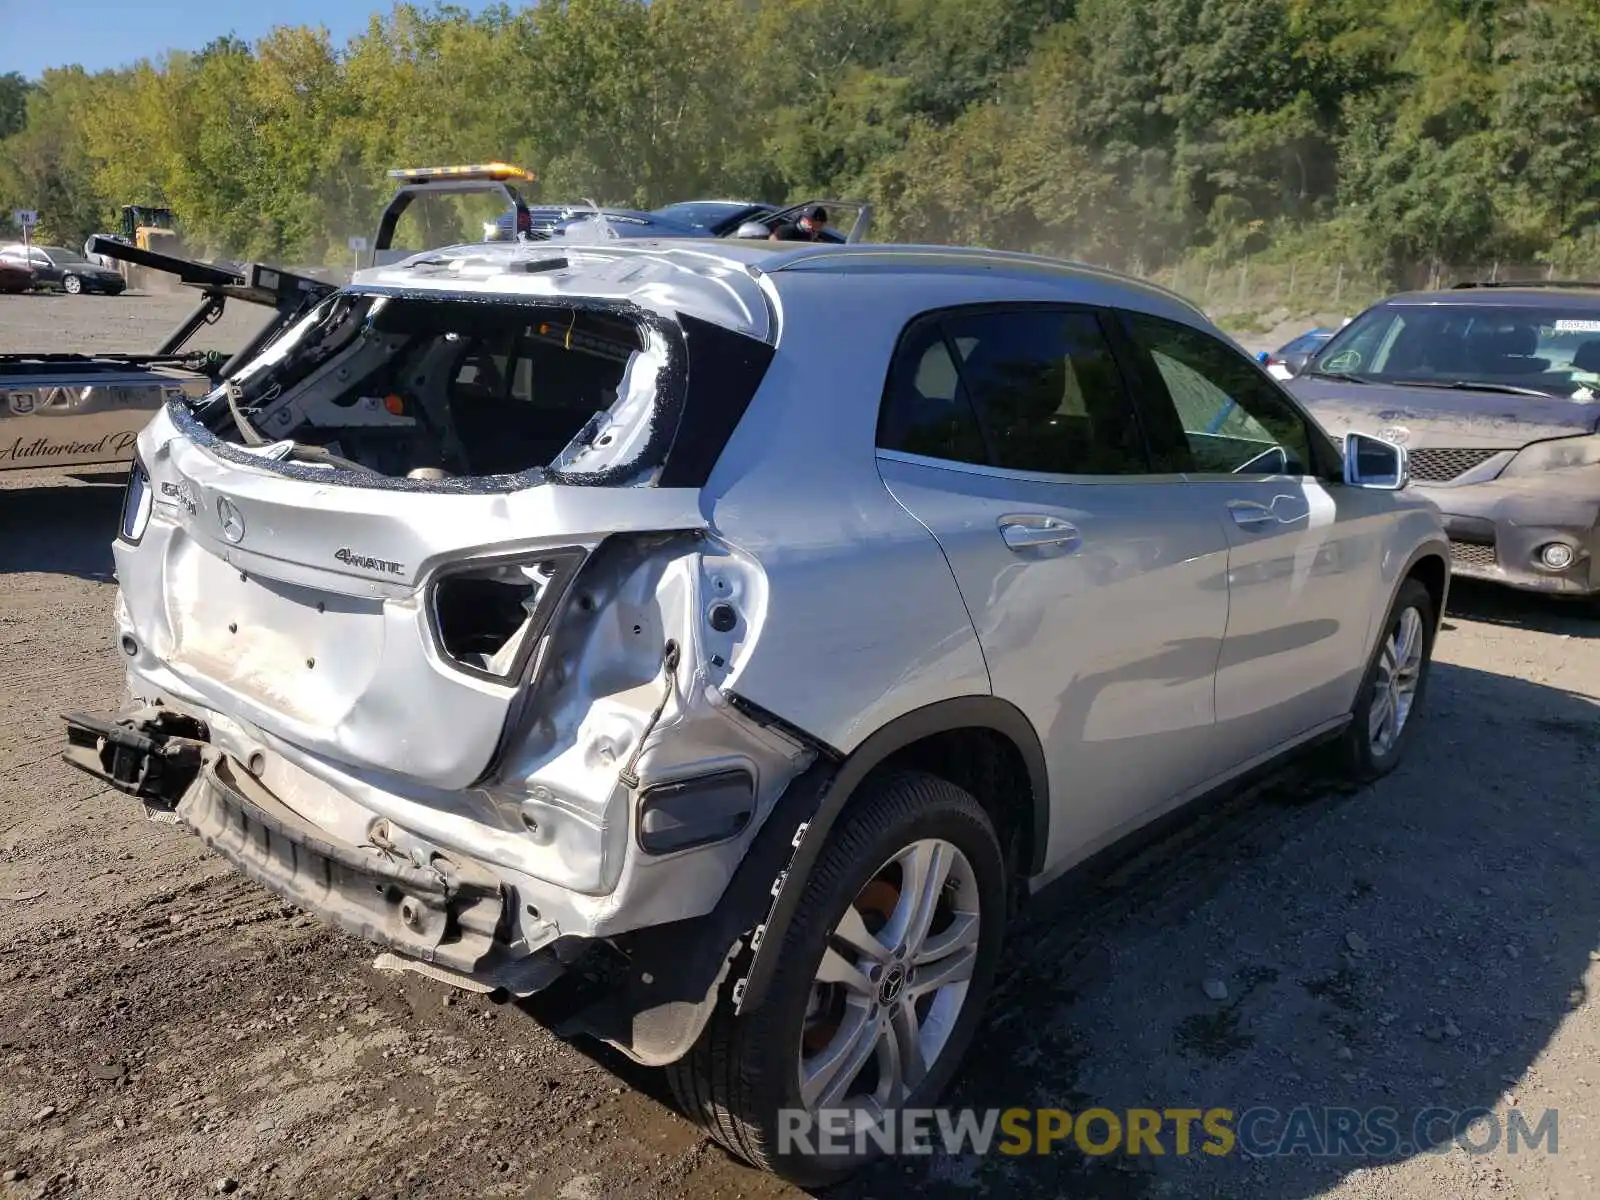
(926, 411)
(1028, 389)
(1234, 421)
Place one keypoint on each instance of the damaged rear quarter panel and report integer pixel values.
(865, 622)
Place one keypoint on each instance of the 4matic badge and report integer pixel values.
(183, 495)
(351, 559)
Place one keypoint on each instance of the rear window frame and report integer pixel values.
(681, 452)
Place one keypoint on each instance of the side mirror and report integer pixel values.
(1370, 462)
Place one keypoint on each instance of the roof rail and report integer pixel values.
(1525, 283)
(910, 253)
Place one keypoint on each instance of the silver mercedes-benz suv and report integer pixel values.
(766, 621)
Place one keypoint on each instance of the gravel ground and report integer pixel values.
(170, 1029)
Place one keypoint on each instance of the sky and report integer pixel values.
(35, 34)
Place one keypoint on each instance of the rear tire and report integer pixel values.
(71, 284)
(744, 1069)
(1384, 718)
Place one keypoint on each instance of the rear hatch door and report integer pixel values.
(325, 614)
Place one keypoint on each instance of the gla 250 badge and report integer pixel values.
(351, 559)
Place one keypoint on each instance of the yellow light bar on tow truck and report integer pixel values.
(495, 172)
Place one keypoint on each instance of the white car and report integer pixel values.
(763, 619)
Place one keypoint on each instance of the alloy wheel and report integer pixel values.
(892, 983)
(1394, 687)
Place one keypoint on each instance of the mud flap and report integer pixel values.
(676, 971)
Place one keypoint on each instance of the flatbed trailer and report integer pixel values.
(85, 410)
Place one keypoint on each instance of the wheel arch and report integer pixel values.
(1429, 565)
(908, 740)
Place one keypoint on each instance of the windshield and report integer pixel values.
(702, 214)
(1551, 349)
(57, 255)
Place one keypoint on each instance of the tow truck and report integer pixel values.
(521, 221)
(84, 411)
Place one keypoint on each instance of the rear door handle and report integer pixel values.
(1283, 510)
(1024, 532)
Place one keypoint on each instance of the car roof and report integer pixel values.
(721, 279)
(724, 203)
(1579, 295)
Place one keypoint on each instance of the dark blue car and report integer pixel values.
(847, 220)
(1289, 359)
(689, 218)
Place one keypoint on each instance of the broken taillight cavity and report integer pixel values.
(489, 618)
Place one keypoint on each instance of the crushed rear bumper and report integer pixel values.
(449, 913)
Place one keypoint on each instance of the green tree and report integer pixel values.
(1394, 131)
(45, 166)
(13, 103)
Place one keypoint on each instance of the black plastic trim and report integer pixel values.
(1478, 531)
(752, 711)
(724, 371)
(680, 963)
(1438, 548)
(964, 712)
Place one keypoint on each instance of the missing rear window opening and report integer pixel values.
(433, 389)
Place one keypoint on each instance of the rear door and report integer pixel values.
(1303, 551)
(1098, 590)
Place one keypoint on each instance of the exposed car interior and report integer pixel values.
(431, 389)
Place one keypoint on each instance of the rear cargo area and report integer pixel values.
(430, 388)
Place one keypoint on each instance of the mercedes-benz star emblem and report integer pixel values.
(893, 983)
(232, 520)
(1394, 434)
